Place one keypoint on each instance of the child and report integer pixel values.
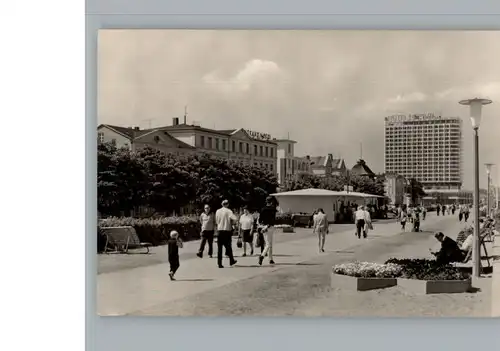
(174, 243)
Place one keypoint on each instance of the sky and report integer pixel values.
(328, 90)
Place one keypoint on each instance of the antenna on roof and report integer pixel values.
(360, 151)
(288, 135)
(149, 122)
(185, 114)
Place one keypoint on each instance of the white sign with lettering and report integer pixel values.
(258, 136)
(412, 117)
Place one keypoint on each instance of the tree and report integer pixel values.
(303, 181)
(415, 190)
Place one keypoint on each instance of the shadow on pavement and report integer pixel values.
(194, 280)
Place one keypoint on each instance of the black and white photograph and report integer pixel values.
(301, 173)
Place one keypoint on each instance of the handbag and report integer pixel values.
(239, 243)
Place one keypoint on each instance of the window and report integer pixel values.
(241, 147)
(223, 144)
(202, 141)
(271, 166)
(233, 146)
(267, 151)
(248, 148)
(100, 137)
(113, 142)
(217, 144)
(255, 149)
(261, 151)
(272, 152)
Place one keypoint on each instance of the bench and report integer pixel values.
(122, 239)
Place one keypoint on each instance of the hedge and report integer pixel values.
(154, 230)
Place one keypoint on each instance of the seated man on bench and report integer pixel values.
(450, 251)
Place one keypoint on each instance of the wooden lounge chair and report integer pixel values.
(123, 239)
(482, 244)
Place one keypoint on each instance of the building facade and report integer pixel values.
(289, 165)
(427, 148)
(236, 145)
(326, 166)
(136, 138)
(394, 188)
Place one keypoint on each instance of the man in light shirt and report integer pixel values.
(360, 220)
(320, 226)
(225, 220)
(207, 220)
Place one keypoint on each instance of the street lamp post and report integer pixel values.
(488, 173)
(476, 106)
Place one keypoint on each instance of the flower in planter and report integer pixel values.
(425, 269)
(368, 270)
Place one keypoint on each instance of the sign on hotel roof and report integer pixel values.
(412, 117)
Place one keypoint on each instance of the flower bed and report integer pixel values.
(425, 269)
(362, 276)
(424, 276)
(155, 230)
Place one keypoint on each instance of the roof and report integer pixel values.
(134, 134)
(323, 192)
(284, 141)
(360, 168)
(226, 132)
(126, 131)
(318, 160)
(337, 163)
(307, 192)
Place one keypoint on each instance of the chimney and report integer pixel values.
(308, 157)
(137, 128)
(175, 121)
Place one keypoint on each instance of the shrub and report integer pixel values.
(425, 269)
(155, 230)
(368, 270)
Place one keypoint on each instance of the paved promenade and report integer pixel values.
(247, 288)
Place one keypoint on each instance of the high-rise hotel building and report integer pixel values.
(425, 147)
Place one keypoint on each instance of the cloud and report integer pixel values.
(330, 89)
(408, 98)
(254, 73)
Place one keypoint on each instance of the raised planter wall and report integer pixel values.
(435, 286)
(361, 284)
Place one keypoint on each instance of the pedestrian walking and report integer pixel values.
(225, 221)
(443, 210)
(403, 218)
(416, 221)
(174, 243)
(460, 213)
(207, 220)
(245, 230)
(438, 208)
(466, 213)
(320, 227)
(360, 221)
(424, 213)
(368, 223)
(267, 219)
